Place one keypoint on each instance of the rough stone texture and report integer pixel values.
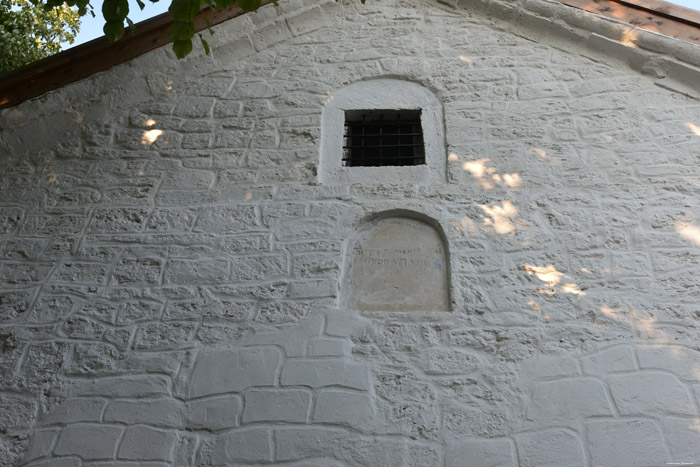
(171, 266)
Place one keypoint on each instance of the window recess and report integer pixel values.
(374, 138)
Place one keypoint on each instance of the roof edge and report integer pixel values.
(98, 55)
(608, 27)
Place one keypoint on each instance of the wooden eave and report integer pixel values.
(98, 55)
(652, 15)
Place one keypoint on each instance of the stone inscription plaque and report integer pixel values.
(397, 264)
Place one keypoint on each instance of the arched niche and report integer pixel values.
(396, 262)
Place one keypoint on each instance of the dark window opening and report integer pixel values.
(376, 138)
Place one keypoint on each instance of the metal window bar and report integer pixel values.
(376, 141)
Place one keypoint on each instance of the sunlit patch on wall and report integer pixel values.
(541, 153)
(690, 232)
(501, 218)
(643, 326)
(694, 128)
(464, 59)
(536, 307)
(453, 157)
(553, 280)
(150, 136)
(629, 38)
(465, 226)
(488, 176)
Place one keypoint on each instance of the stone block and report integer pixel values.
(325, 347)
(421, 455)
(109, 220)
(16, 412)
(10, 219)
(303, 443)
(221, 219)
(313, 288)
(89, 441)
(164, 336)
(344, 408)
(320, 373)
(138, 271)
(625, 443)
(193, 107)
(271, 34)
(304, 229)
(448, 361)
(480, 453)
(567, 401)
(196, 271)
(277, 405)
(612, 360)
(550, 447)
(674, 358)
(160, 412)
(647, 393)
(231, 371)
(251, 445)
(213, 414)
(171, 220)
(142, 443)
(316, 264)
(292, 339)
(127, 386)
(386, 452)
(306, 22)
(15, 274)
(255, 268)
(346, 324)
(681, 435)
(41, 444)
(549, 367)
(75, 410)
(85, 273)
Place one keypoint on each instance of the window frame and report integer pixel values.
(382, 94)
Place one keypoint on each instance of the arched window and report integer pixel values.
(382, 131)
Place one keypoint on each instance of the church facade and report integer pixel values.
(394, 234)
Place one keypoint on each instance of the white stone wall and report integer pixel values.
(170, 263)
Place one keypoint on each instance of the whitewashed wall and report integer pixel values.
(170, 263)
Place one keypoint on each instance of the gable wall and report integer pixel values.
(170, 264)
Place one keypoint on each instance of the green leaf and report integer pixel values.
(184, 10)
(114, 10)
(182, 48)
(181, 31)
(249, 5)
(141, 4)
(132, 26)
(205, 44)
(114, 30)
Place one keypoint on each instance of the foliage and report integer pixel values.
(29, 32)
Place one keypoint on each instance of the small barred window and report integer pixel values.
(374, 138)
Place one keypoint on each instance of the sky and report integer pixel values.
(91, 28)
